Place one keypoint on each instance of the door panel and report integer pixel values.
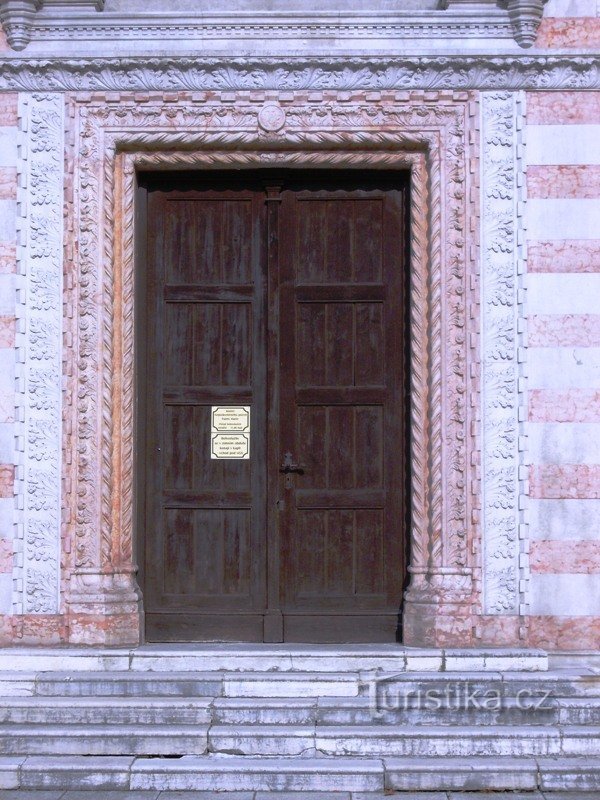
(341, 414)
(285, 293)
(205, 519)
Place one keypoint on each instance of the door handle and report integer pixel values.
(288, 465)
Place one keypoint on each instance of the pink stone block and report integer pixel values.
(7, 480)
(115, 629)
(564, 481)
(499, 631)
(6, 555)
(563, 108)
(549, 181)
(564, 255)
(8, 258)
(569, 405)
(8, 183)
(566, 557)
(576, 32)
(42, 629)
(7, 332)
(563, 330)
(8, 101)
(564, 633)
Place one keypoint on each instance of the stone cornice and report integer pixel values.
(394, 74)
(480, 22)
(64, 21)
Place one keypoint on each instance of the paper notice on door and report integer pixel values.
(230, 432)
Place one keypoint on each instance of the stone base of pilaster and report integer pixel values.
(104, 608)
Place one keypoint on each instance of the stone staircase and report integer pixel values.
(275, 718)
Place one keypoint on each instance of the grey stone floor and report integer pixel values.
(28, 794)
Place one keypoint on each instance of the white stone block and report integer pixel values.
(564, 595)
(46, 659)
(7, 517)
(8, 220)
(563, 367)
(9, 771)
(8, 146)
(164, 740)
(577, 775)
(7, 384)
(7, 293)
(5, 592)
(297, 686)
(274, 711)
(220, 773)
(469, 774)
(16, 684)
(571, 8)
(563, 442)
(580, 742)
(571, 218)
(267, 740)
(563, 144)
(422, 662)
(7, 430)
(563, 293)
(564, 519)
(76, 772)
(430, 741)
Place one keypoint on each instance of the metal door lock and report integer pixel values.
(289, 467)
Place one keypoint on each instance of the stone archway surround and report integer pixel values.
(109, 137)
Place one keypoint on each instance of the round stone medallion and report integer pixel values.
(271, 118)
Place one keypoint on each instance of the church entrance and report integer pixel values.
(272, 406)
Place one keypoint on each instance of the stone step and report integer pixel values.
(380, 741)
(440, 709)
(103, 740)
(583, 683)
(556, 774)
(579, 711)
(106, 710)
(185, 684)
(325, 711)
(298, 684)
(207, 773)
(224, 774)
(287, 711)
(280, 657)
(363, 711)
(110, 684)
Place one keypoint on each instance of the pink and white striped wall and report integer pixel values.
(563, 308)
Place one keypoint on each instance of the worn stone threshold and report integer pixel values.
(206, 657)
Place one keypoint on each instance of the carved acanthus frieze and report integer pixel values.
(460, 72)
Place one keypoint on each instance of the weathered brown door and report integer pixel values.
(285, 293)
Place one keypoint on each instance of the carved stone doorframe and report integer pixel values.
(110, 137)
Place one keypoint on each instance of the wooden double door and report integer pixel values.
(285, 294)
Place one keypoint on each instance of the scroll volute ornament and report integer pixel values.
(16, 17)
